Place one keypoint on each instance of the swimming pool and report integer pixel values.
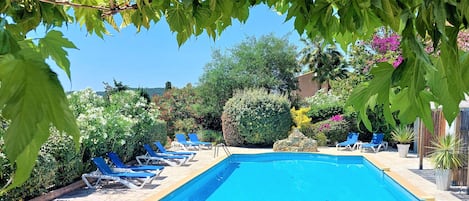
(292, 176)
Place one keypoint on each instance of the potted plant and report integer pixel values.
(445, 156)
(403, 135)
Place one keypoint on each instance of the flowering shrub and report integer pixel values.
(335, 131)
(179, 108)
(336, 118)
(299, 117)
(324, 105)
(387, 48)
(324, 127)
(462, 40)
(122, 125)
(384, 47)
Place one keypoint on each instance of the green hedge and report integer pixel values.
(255, 117)
(211, 136)
(43, 177)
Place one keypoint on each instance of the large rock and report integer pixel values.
(296, 142)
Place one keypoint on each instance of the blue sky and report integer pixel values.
(152, 57)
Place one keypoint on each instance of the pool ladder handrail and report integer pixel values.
(225, 148)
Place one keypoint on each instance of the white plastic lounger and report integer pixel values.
(133, 180)
(152, 157)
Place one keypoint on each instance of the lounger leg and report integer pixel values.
(377, 149)
(83, 177)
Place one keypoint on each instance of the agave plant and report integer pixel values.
(403, 134)
(445, 154)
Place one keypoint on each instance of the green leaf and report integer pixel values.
(377, 91)
(53, 45)
(7, 42)
(32, 99)
(389, 13)
(464, 60)
(177, 19)
(439, 12)
(92, 20)
(213, 4)
(447, 83)
(53, 15)
(226, 7)
(241, 11)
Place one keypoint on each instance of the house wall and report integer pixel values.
(306, 86)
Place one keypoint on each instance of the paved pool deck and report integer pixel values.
(171, 177)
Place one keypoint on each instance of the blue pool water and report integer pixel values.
(292, 176)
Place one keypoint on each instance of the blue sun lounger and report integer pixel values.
(195, 139)
(146, 168)
(132, 180)
(151, 156)
(181, 140)
(352, 138)
(177, 153)
(376, 143)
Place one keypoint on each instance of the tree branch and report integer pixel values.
(75, 5)
(113, 9)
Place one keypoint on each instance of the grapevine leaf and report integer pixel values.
(446, 83)
(53, 45)
(92, 20)
(377, 91)
(7, 43)
(226, 7)
(464, 60)
(32, 99)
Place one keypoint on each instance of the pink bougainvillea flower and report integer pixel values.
(336, 118)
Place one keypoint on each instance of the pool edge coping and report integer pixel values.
(163, 193)
(400, 180)
(393, 175)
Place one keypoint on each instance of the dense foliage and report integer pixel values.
(325, 61)
(255, 117)
(324, 105)
(210, 136)
(329, 131)
(32, 98)
(299, 117)
(122, 124)
(267, 62)
(179, 108)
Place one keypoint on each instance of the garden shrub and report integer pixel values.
(230, 130)
(180, 109)
(121, 124)
(69, 159)
(324, 105)
(321, 139)
(255, 117)
(149, 130)
(210, 136)
(335, 131)
(187, 125)
(42, 178)
(300, 118)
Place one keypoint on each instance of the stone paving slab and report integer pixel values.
(404, 167)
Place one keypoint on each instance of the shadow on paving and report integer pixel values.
(429, 175)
